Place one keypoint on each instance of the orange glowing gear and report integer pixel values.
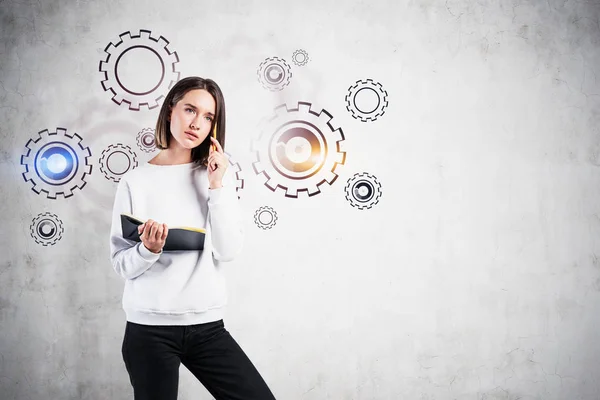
(298, 150)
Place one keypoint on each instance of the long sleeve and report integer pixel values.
(226, 222)
(129, 259)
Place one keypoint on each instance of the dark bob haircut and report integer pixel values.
(162, 134)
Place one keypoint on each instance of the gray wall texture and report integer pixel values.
(475, 276)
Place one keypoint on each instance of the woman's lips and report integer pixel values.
(191, 134)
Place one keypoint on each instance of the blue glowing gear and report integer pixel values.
(56, 163)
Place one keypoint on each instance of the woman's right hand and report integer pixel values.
(153, 235)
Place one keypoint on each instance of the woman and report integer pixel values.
(174, 300)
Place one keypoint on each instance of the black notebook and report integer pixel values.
(178, 238)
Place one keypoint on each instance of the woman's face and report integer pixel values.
(192, 119)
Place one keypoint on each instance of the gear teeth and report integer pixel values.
(120, 93)
(285, 68)
(364, 203)
(258, 167)
(264, 225)
(310, 183)
(130, 154)
(354, 89)
(330, 177)
(295, 57)
(313, 190)
(281, 111)
(70, 142)
(304, 108)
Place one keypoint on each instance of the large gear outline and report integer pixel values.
(302, 53)
(113, 54)
(142, 140)
(237, 169)
(43, 221)
(366, 84)
(267, 210)
(303, 116)
(364, 179)
(109, 151)
(266, 66)
(32, 158)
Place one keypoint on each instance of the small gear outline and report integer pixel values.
(301, 62)
(372, 184)
(109, 151)
(142, 138)
(261, 211)
(382, 100)
(42, 221)
(111, 80)
(34, 163)
(285, 71)
(302, 117)
(237, 168)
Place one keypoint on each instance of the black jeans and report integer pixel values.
(152, 356)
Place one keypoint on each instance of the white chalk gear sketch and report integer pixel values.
(133, 58)
(46, 229)
(298, 150)
(56, 163)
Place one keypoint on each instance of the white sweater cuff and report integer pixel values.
(147, 254)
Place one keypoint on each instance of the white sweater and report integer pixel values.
(176, 287)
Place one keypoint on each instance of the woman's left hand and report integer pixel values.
(217, 164)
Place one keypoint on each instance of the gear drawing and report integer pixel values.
(265, 217)
(274, 73)
(109, 168)
(363, 191)
(127, 94)
(300, 57)
(298, 150)
(145, 140)
(366, 100)
(56, 163)
(237, 169)
(46, 229)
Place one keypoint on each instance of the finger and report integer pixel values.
(217, 144)
(165, 232)
(152, 232)
(141, 228)
(159, 232)
(146, 227)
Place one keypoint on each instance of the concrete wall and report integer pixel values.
(476, 275)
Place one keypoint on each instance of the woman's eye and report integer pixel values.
(189, 109)
(209, 118)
